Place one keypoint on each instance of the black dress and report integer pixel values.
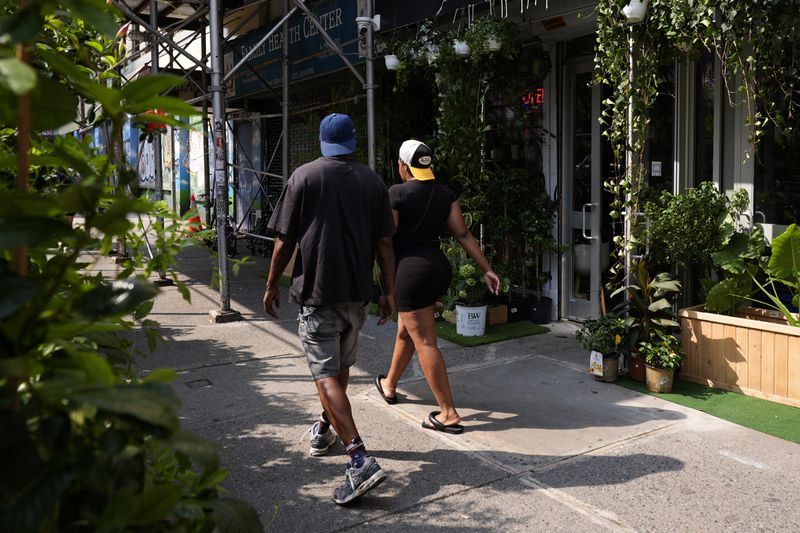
(423, 272)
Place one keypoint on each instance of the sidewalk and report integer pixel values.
(547, 448)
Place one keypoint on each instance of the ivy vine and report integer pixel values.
(756, 43)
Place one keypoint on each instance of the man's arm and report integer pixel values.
(386, 264)
(281, 254)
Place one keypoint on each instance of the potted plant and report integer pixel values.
(663, 356)
(649, 312)
(604, 339)
(487, 35)
(470, 293)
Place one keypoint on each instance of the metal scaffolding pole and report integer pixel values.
(285, 99)
(158, 161)
(370, 86)
(206, 165)
(224, 313)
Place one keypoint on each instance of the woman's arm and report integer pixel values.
(455, 223)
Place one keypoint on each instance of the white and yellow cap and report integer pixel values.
(419, 157)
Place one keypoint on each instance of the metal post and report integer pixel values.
(225, 313)
(206, 165)
(158, 162)
(629, 170)
(285, 99)
(370, 86)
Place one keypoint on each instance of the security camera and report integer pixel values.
(365, 22)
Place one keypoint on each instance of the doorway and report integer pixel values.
(586, 226)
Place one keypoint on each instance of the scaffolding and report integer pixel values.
(169, 28)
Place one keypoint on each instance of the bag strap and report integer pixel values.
(424, 213)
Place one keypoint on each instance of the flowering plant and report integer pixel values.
(469, 286)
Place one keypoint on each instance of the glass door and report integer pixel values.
(583, 203)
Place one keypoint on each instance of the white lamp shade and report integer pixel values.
(391, 62)
(635, 11)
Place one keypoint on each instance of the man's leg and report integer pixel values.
(333, 396)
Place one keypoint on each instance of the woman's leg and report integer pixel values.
(421, 326)
(403, 352)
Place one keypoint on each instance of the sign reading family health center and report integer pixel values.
(309, 55)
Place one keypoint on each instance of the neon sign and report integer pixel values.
(533, 100)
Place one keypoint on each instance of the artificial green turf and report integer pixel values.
(768, 417)
(496, 333)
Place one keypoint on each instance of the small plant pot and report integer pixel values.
(659, 379)
(470, 321)
(636, 368)
(539, 310)
(610, 368)
(392, 62)
(518, 309)
(460, 47)
(493, 44)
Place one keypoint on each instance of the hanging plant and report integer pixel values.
(756, 43)
(490, 36)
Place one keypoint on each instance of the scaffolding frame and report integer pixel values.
(206, 21)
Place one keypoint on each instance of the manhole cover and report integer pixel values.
(197, 383)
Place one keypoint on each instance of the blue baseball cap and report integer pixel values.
(337, 135)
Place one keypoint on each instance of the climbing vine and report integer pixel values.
(756, 42)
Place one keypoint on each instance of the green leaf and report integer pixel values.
(157, 407)
(146, 87)
(21, 27)
(143, 310)
(53, 105)
(726, 295)
(16, 75)
(95, 367)
(96, 13)
(167, 104)
(200, 450)
(117, 298)
(15, 293)
(155, 503)
(24, 230)
(234, 516)
(784, 263)
(183, 289)
(161, 375)
(38, 496)
(16, 203)
(659, 305)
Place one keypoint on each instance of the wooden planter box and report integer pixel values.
(747, 355)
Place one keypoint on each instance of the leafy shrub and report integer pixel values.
(604, 335)
(665, 352)
(87, 443)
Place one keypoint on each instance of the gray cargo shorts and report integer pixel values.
(329, 334)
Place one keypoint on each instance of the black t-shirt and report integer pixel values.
(409, 200)
(336, 209)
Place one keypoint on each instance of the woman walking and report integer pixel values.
(423, 210)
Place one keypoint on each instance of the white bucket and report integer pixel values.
(470, 321)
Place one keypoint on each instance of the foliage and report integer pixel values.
(481, 30)
(88, 444)
(752, 276)
(665, 352)
(756, 43)
(685, 229)
(649, 304)
(467, 285)
(604, 335)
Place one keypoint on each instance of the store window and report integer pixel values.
(660, 135)
(704, 120)
(777, 177)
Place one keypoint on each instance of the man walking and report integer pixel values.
(337, 210)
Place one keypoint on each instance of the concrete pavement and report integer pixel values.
(547, 448)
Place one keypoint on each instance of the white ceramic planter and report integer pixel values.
(470, 321)
(635, 11)
(391, 62)
(493, 44)
(461, 47)
(432, 53)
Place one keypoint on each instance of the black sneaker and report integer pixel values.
(358, 481)
(321, 442)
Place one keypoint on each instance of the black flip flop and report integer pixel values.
(391, 400)
(435, 425)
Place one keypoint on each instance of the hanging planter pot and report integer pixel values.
(493, 44)
(635, 11)
(391, 62)
(461, 47)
